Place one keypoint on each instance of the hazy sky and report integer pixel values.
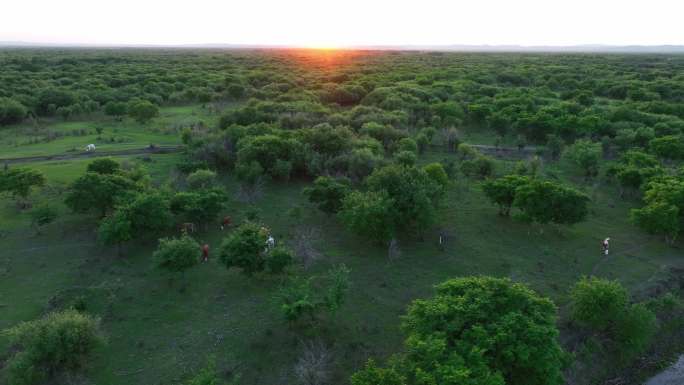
(323, 23)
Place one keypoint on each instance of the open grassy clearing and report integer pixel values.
(161, 329)
(57, 137)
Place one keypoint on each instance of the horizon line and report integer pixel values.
(589, 47)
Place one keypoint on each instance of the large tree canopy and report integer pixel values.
(477, 331)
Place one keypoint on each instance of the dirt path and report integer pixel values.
(93, 154)
(674, 375)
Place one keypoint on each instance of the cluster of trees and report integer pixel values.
(540, 201)
(484, 330)
(663, 211)
(130, 208)
(396, 198)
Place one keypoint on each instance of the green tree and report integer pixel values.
(414, 194)
(18, 182)
(176, 255)
(479, 330)
(659, 218)
(436, 172)
(597, 302)
(480, 167)
(370, 214)
(327, 193)
(371, 374)
(116, 229)
(201, 206)
(245, 248)
(143, 111)
(116, 109)
(634, 331)
(278, 259)
(545, 201)
(11, 111)
(148, 212)
(99, 192)
(407, 144)
(104, 166)
(423, 142)
(201, 179)
(586, 155)
(502, 191)
(60, 342)
(668, 147)
(406, 158)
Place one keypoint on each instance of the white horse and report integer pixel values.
(90, 147)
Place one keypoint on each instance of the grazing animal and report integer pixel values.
(90, 147)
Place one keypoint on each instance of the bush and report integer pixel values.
(327, 193)
(177, 255)
(407, 144)
(201, 179)
(11, 111)
(597, 302)
(143, 111)
(406, 158)
(59, 342)
(480, 167)
(278, 259)
(634, 330)
(42, 215)
(104, 166)
(244, 248)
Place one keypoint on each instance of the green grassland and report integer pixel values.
(160, 329)
(53, 136)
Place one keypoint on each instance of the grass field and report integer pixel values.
(58, 137)
(160, 330)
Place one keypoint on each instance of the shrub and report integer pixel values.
(61, 341)
(406, 158)
(634, 330)
(177, 255)
(278, 259)
(11, 111)
(42, 215)
(598, 302)
(327, 193)
(244, 248)
(104, 166)
(480, 167)
(407, 144)
(201, 179)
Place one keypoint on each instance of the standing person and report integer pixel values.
(205, 253)
(606, 245)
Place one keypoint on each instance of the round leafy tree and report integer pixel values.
(45, 347)
(597, 302)
(482, 330)
(177, 255)
(244, 248)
